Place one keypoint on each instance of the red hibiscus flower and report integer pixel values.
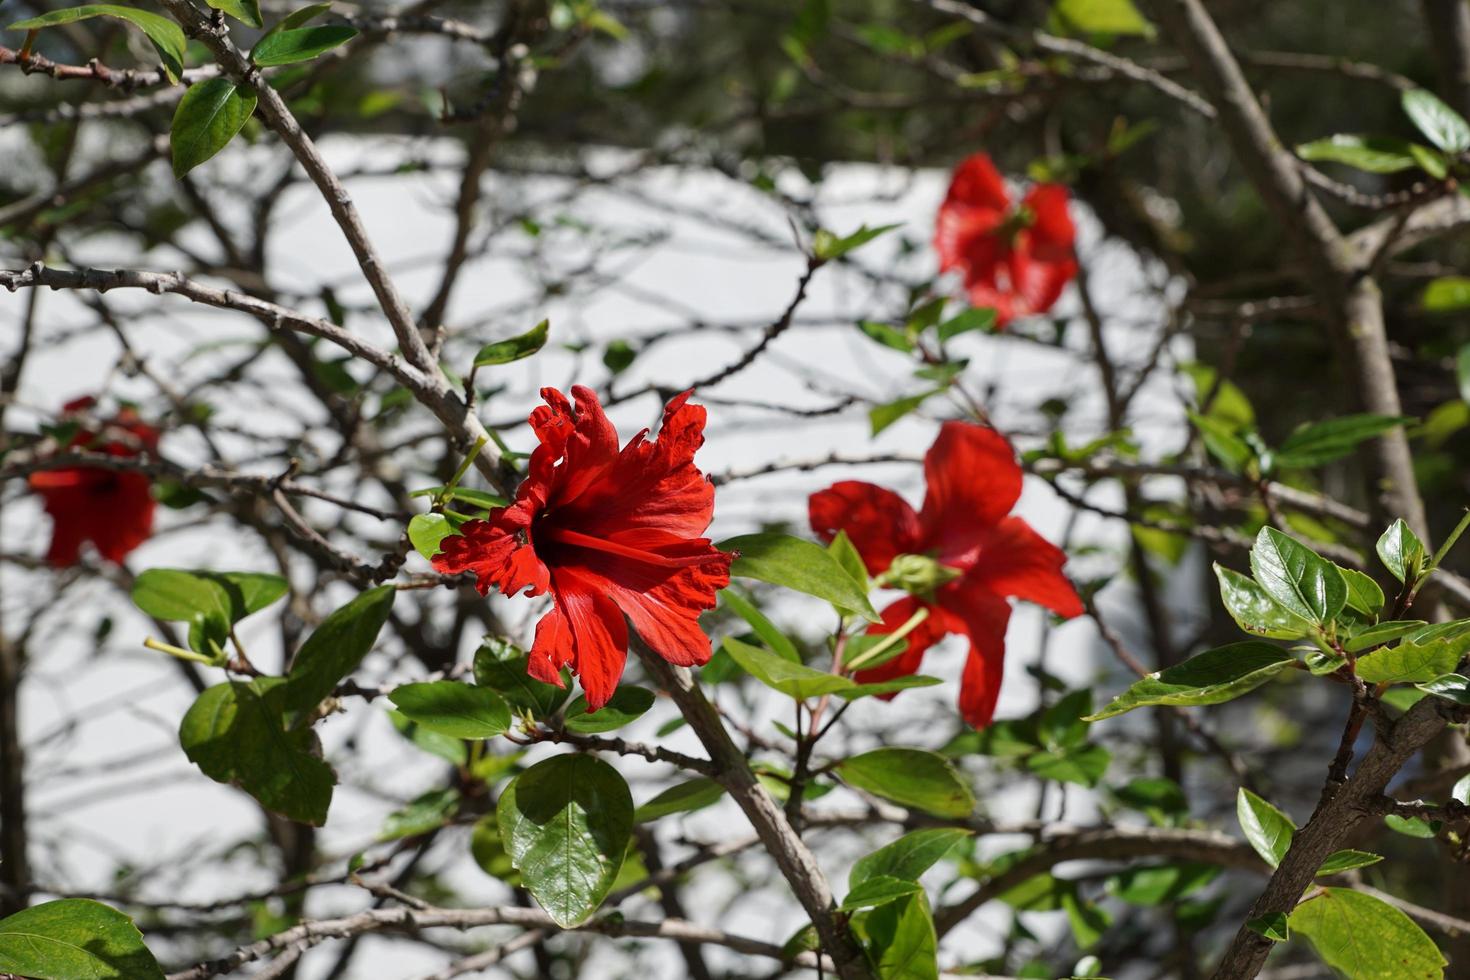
(110, 508)
(961, 557)
(1015, 260)
(610, 534)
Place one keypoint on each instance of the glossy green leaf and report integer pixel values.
(207, 118)
(901, 940)
(167, 36)
(1381, 633)
(827, 246)
(878, 890)
(1088, 921)
(1372, 154)
(1267, 829)
(1366, 938)
(1318, 443)
(1223, 443)
(421, 815)
(1441, 125)
(453, 708)
(911, 777)
(565, 823)
(847, 555)
(1301, 581)
(488, 850)
(1349, 860)
(1213, 677)
(236, 733)
(74, 939)
(882, 416)
(1410, 826)
(975, 318)
(1162, 883)
(446, 747)
(1102, 17)
(335, 648)
(908, 857)
(1401, 551)
(796, 563)
(1451, 687)
(427, 532)
(516, 348)
(201, 600)
(1363, 594)
(876, 688)
(1256, 612)
(790, 678)
(1083, 766)
(502, 666)
(778, 641)
(692, 794)
(245, 11)
(1274, 926)
(627, 704)
(299, 44)
(1412, 663)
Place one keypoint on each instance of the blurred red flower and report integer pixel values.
(609, 534)
(1015, 260)
(961, 557)
(113, 509)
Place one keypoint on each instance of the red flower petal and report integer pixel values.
(599, 637)
(976, 183)
(552, 648)
(924, 636)
(984, 617)
(498, 550)
(880, 523)
(965, 238)
(973, 481)
(1037, 283)
(1016, 561)
(1052, 233)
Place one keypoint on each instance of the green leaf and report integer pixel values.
(1373, 154)
(1256, 612)
(1153, 793)
(796, 563)
(886, 335)
(1410, 826)
(878, 890)
(1381, 633)
(566, 823)
(1213, 677)
(627, 704)
(427, 532)
(74, 939)
(846, 553)
(245, 11)
(975, 318)
(1221, 440)
(1363, 593)
(618, 356)
(208, 117)
(1266, 828)
(1366, 938)
(236, 733)
(299, 44)
(1411, 662)
(180, 596)
(1102, 17)
(827, 246)
(167, 37)
(501, 666)
(882, 416)
(1401, 551)
(1160, 884)
(506, 351)
(1441, 125)
(335, 648)
(764, 628)
(488, 850)
(1340, 861)
(1447, 294)
(792, 679)
(1451, 687)
(1274, 927)
(908, 857)
(256, 590)
(451, 750)
(1062, 725)
(1301, 581)
(425, 813)
(901, 940)
(886, 687)
(1084, 766)
(1322, 442)
(692, 794)
(297, 18)
(911, 777)
(453, 708)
